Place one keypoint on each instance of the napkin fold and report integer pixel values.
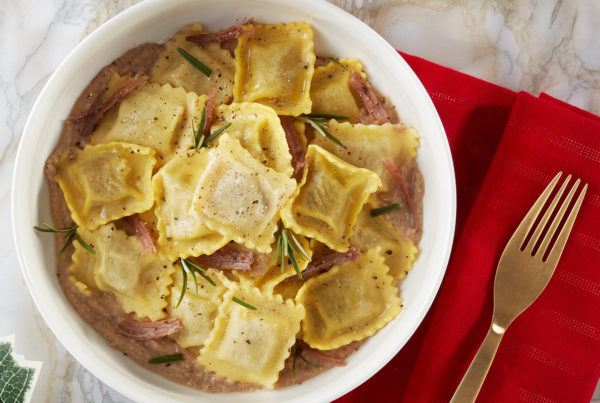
(506, 148)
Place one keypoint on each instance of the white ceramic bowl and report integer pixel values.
(336, 33)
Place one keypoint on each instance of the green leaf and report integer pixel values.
(15, 381)
(166, 358)
(200, 271)
(48, 228)
(184, 287)
(385, 209)
(85, 245)
(319, 125)
(216, 133)
(295, 263)
(244, 304)
(195, 62)
(336, 61)
(299, 247)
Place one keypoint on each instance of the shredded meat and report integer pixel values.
(96, 115)
(210, 110)
(139, 330)
(391, 167)
(322, 263)
(232, 32)
(226, 259)
(369, 99)
(142, 232)
(298, 159)
(318, 353)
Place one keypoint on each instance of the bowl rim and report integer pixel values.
(19, 194)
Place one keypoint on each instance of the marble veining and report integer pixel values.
(537, 46)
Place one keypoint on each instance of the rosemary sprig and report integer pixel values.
(320, 126)
(166, 358)
(195, 62)
(336, 61)
(186, 269)
(244, 304)
(385, 209)
(298, 353)
(288, 246)
(187, 266)
(70, 235)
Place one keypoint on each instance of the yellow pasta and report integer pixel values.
(367, 144)
(182, 232)
(329, 198)
(173, 69)
(81, 270)
(275, 65)
(330, 92)
(197, 310)
(349, 302)
(239, 197)
(140, 280)
(106, 182)
(399, 252)
(150, 116)
(259, 131)
(252, 345)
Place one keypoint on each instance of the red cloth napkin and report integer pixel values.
(506, 148)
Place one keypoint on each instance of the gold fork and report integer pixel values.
(522, 274)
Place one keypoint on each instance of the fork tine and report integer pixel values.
(559, 245)
(522, 230)
(542, 224)
(557, 219)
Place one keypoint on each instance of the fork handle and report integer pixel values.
(469, 387)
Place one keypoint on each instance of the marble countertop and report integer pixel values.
(537, 46)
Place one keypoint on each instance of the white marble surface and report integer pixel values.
(538, 46)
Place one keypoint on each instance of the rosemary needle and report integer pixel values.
(195, 62)
(216, 133)
(285, 248)
(336, 61)
(244, 304)
(320, 126)
(385, 209)
(70, 235)
(166, 358)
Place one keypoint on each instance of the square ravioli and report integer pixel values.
(330, 92)
(367, 144)
(239, 197)
(106, 182)
(198, 308)
(182, 232)
(329, 198)
(399, 252)
(252, 345)
(150, 116)
(139, 280)
(275, 65)
(259, 131)
(172, 68)
(349, 302)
